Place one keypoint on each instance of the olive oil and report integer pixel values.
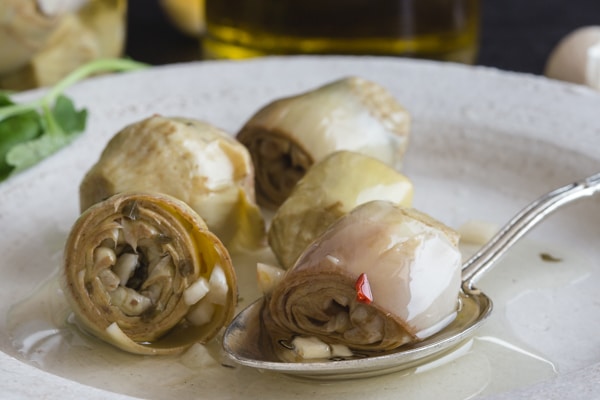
(43, 333)
(434, 29)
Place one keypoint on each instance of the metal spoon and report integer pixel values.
(246, 343)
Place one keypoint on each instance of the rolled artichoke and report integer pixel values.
(187, 159)
(380, 277)
(143, 272)
(329, 190)
(288, 135)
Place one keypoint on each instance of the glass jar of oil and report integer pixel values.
(433, 29)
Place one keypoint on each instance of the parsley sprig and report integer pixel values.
(32, 131)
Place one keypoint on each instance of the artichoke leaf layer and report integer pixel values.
(188, 159)
(140, 267)
(287, 136)
(413, 266)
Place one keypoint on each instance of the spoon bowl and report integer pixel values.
(247, 343)
(246, 339)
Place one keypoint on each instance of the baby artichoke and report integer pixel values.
(380, 277)
(187, 159)
(329, 190)
(289, 135)
(143, 272)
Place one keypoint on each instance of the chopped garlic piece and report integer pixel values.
(125, 267)
(477, 232)
(311, 347)
(202, 313)
(340, 350)
(268, 276)
(104, 257)
(109, 280)
(129, 301)
(198, 356)
(196, 292)
(218, 286)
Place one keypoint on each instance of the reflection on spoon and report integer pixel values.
(246, 339)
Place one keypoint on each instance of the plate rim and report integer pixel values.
(14, 370)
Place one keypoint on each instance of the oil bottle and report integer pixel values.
(433, 29)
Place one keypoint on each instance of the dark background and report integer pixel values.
(516, 35)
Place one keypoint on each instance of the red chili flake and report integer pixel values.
(363, 289)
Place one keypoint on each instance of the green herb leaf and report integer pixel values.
(32, 131)
(5, 99)
(14, 131)
(26, 154)
(68, 118)
(63, 124)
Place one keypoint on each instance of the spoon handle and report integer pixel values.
(476, 266)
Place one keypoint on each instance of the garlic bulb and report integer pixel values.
(576, 58)
(289, 135)
(380, 277)
(143, 272)
(329, 190)
(187, 159)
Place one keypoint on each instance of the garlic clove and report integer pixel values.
(576, 58)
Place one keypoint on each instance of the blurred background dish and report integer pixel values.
(43, 40)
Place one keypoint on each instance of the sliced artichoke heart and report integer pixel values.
(287, 136)
(413, 267)
(146, 284)
(187, 159)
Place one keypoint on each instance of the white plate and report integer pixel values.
(484, 143)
